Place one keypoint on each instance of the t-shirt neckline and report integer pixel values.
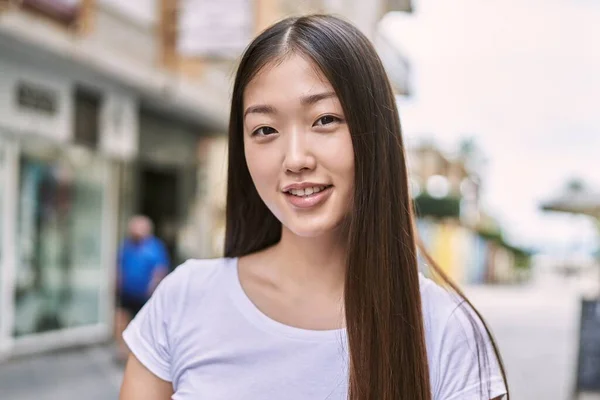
(266, 323)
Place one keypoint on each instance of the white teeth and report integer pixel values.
(306, 191)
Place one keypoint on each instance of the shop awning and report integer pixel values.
(576, 198)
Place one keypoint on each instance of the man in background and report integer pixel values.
(143, 263)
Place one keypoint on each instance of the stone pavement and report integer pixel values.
(88, 373)
(536, 327)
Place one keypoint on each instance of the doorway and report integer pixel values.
(158, 200)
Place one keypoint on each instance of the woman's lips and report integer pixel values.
(311, 200)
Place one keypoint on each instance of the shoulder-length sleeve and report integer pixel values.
(148, 335)
(467, 366)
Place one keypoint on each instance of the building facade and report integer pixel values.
(93, 129)
(466, 243)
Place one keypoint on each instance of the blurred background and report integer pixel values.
(112, 108)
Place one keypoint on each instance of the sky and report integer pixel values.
(522, 77)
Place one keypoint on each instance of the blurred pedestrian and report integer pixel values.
(143, 263)
(319, 296)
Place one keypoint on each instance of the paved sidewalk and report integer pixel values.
(88, 373)
(536, 327)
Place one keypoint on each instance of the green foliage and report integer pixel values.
(446, 207)
(522, 256)
(492, 235)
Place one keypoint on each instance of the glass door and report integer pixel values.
(59, 277)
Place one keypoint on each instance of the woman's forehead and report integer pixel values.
(294, 75)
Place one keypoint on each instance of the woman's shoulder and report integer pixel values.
(199, 268)
(185, 293)
(460, 353)
(451, 324)
(444, 311)
(194, 276)
(436, 299)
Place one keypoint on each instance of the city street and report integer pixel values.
(536, 328)
(535, 325)
(73, 375)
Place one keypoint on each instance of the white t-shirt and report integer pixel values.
(202, 333)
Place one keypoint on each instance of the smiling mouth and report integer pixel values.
(306, 192)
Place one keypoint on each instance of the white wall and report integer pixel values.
(131, 39)
(364, 14)
(141, 11)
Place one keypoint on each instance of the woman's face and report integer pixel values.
(298, 146)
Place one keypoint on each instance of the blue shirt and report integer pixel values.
(138, 261)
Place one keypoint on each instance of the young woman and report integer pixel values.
(320, 295)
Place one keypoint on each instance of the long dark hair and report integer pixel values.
(388, 357)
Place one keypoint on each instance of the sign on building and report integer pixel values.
(34, 101)
(36, 97)
(214, 29)
(588, 363)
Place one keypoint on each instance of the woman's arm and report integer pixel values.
(141, 384)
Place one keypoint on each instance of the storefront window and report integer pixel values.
(59, 239)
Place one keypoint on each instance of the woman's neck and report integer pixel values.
(316, 264)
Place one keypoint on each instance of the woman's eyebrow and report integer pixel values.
(315, 98)
(260, 109)
(307, 101)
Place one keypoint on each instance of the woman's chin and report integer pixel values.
(311, 230)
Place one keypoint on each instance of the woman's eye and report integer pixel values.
(326, 120)
(264, 131)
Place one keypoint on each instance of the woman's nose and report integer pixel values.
(298, 156)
